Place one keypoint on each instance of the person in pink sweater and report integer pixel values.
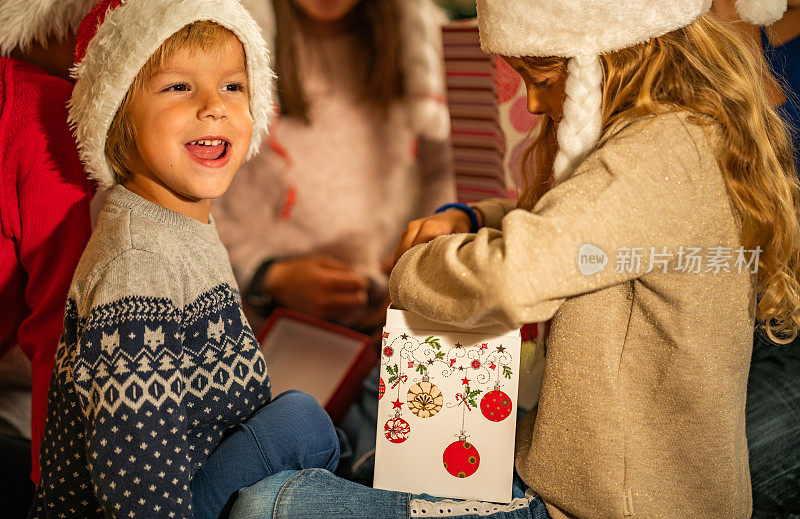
(360, 146)
(44, 198)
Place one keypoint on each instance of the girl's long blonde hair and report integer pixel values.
(708, 68)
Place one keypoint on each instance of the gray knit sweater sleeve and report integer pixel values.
(131, 389)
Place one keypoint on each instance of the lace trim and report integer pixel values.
(453, 508)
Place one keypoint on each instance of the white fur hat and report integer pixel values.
(128, 32)
(421, 28)
(582, 30)
(26, 21)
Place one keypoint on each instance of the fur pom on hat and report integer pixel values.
(421, 31)
(582, 30)
(420, 25)
(27, 21)
(761, 12)
(115, 41)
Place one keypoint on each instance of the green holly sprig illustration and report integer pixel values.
(471, 395)
(394, 373)
(434, 343)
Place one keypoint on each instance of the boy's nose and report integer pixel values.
(212, 106)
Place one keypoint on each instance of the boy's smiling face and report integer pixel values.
(192, 127)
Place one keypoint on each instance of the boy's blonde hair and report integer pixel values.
(707, 68)
(120, 143)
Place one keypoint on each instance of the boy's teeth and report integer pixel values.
(215, 142)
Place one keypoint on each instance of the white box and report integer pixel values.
(327, 361)
(447, 409)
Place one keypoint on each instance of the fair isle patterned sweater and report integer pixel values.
(155, 363)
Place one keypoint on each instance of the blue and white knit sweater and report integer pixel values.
(155, 363)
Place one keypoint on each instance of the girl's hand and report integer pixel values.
(317, 285)
(426, 229)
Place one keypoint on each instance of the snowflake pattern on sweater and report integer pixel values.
(142, 393)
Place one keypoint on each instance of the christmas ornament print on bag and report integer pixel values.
(446, 427)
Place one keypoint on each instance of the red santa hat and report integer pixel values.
(582, 30)
(27, 21)
(117, 38)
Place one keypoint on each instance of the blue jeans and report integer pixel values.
(316, 493)
(773, 429)
(291, 432)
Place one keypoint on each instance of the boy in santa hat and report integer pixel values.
(157, 363)
(44, 222)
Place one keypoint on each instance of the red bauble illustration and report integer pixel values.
(381, 388)
(388, 351)
(461, 458)
(396, 429)
(476, 364)
(496, 405)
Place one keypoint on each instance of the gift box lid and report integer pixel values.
(396, 318)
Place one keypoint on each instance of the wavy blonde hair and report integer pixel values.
(709, 69)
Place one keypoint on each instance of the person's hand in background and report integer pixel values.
(317, 285)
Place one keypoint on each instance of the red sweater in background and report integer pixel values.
(44, 221)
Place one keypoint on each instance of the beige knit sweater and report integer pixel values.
(642, 406)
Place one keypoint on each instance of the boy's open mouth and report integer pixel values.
(208, 149)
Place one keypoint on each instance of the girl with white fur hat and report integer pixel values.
(660, 226)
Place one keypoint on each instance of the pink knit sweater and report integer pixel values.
(357, 176)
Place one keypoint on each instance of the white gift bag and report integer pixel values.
(447, 409)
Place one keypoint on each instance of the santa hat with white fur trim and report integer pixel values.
(421, 28)
(582, 30)
(27, 21)
(117, 38)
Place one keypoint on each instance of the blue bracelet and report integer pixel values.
(473, 216)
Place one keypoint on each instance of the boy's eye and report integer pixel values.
(177, 87)
(234, 87)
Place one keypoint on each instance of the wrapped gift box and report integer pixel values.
(447, 409)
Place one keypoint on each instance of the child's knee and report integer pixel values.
(312, 428)
(303, 410)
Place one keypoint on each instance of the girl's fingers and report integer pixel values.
(407, 239)
(431, 229)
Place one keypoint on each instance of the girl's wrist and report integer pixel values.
(480, 216)
(474, 221)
